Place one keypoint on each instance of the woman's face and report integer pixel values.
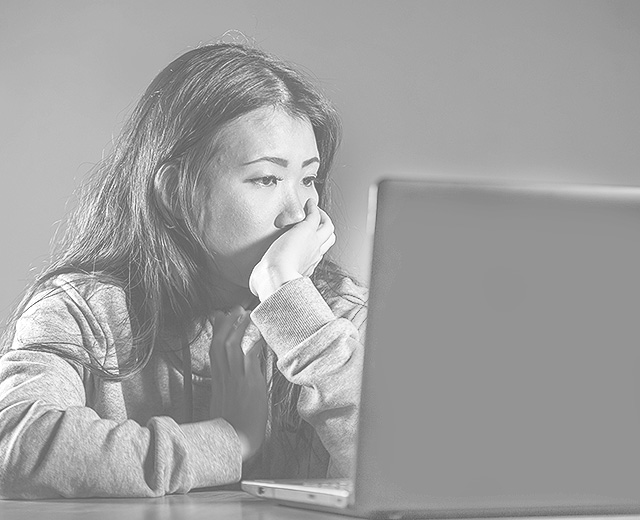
(262, 174)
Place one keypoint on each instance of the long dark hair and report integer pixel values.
(135, 225)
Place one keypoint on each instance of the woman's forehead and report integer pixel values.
(266, 129)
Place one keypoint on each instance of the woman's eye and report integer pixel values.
(269, 180)
(310, 181)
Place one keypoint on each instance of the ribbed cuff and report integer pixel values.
(291, 314)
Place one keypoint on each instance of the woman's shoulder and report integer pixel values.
(73, 309)
(84, 290)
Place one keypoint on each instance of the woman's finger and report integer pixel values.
(224, 321)
(252, 359)
(328, 244)
(223, 325)
(217, 354)
(324, 232)
(233, 344)
(325, 219)
(313, 215)
(252, 367)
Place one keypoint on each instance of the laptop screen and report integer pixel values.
(502, 368)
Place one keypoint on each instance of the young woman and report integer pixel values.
(189, 328)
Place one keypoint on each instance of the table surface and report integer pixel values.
(213, 505)
(208, 505)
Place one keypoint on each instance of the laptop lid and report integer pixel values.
(502, 365)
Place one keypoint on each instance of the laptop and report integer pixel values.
(502, 357)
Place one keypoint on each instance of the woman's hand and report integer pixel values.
(295, 253)
(238, 387)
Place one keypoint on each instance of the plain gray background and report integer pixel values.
(544, 89)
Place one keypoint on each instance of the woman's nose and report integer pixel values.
(291, 212)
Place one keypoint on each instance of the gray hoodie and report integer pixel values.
(65, 431)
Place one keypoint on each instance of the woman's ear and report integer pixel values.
(165, 192)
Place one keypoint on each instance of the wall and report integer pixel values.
(543, 89)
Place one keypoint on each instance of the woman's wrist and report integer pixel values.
(245, 449)
(265, 282)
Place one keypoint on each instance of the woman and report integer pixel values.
(190, 329)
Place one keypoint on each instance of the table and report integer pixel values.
(206, 505)
(210, 505)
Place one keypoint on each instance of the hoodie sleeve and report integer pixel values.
(52, 444)
(319, 345)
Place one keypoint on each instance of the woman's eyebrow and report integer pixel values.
(310, 161)
(281, 162)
